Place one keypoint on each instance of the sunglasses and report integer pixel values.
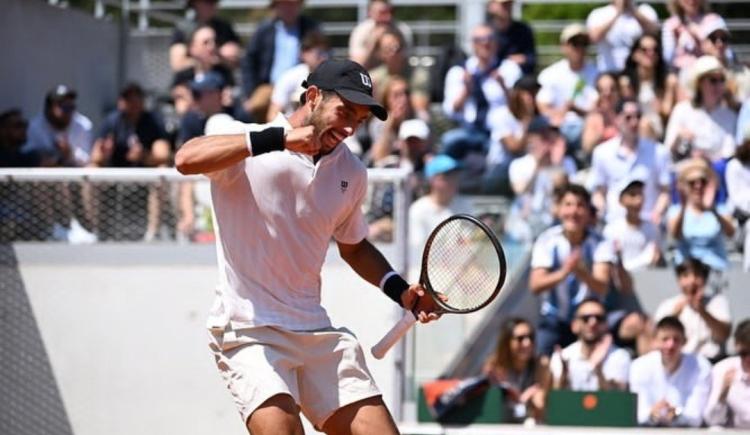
(481, 39)
(585, 318)
(632, 116)
(719, 37)
(651, 50)
(523, 337)
(698, 182)
(716, 80)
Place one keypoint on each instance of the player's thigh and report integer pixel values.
(277, 415)
(367, 416)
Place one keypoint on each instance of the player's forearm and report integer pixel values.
(366, 260)
(205, 154)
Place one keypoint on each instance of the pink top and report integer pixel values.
(682, 46)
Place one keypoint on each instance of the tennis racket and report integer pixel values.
(463, 270)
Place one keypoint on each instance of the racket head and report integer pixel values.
(464, 261)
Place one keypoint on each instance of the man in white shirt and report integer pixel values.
(706, 317)
(592, 363)
(729, 402)
(568, 86)
(615, 27)
(672, 386)
(628, 155)
(280, 193)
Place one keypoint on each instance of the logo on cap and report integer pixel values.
(366, 80)
(344, 185)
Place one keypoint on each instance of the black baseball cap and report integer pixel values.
(540, 125)
(349, 80)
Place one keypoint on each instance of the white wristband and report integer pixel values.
(248, 143)
(385, 278)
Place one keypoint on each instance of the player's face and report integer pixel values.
(335, 119)
(669, 341)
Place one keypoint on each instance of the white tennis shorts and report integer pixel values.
(322, 370)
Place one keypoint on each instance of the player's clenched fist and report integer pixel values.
(302, 140)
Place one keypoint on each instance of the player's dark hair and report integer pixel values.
(326, 95)
(671, 322)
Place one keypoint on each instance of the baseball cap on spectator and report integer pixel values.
(211, 81)
(414, 128)
(540, 125)
(349, 80)
(440, 164)
(571, 31)
(61, 92)
(693, 169)
(628, 184)
(702, 66)
(712, 23)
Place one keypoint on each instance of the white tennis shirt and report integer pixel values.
(274, 216)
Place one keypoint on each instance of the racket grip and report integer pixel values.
(394, 335)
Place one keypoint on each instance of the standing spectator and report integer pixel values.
(681, 33)
(705, 316)
(440, 203)
(131, 136)
(627, 155)
(227, 41)
(273, 49)
(61, 135)
(615, 27)
(365, 35)
(515, 368)
(515, 38)
(672, 385)
(652, 84)
(716, 42)
(535, 176)
(285, 96)
(567, 91)
(738, 190)
(600, 124)
(13, 134)
(636, 241)
(697, 224)
(591, 363)
(729, 402)
(703, 126)
(510, 135)
(569, 263)
(473, 92)
(394, 61)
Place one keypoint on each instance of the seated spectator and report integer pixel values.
(60, 136)
(600, 124)
(515, 368)
(729, 402)
(535, 176)
(637, 242)
(473, 92)
(515, 38)
(366, 34)
(704, 315)
(131, 136)
(13, 134)
(591, 363)
(509, 136)
(672, 385)
(286, 92)
(384, 134)
(441, 202)
(615, 27)
(205, 58)
(738, 190)
(273, 49)
(227, 41)
(716, 42)
(207, 95)
(697, 224)
(652, 84)
(567, 93)
(681, 35)
(569, 263)
(393, 59)
(629, 155)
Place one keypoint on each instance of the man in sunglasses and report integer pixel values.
(591, 363)
(672, 385)
(729, 402)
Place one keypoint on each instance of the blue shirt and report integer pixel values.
(286, 50)
(702, 237)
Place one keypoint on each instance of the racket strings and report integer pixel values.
(463, 265)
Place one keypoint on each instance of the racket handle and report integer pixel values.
(394, 335)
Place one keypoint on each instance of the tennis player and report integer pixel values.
(280, 192)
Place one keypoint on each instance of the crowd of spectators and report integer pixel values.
(635, 157)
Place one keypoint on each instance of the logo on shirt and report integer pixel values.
(344, 186)
(366, 80)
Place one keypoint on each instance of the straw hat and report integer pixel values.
(693, 169)
(702, 66)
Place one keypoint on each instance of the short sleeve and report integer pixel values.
(541, 255)
(718, 306)
(617, 367)
(604, 252)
